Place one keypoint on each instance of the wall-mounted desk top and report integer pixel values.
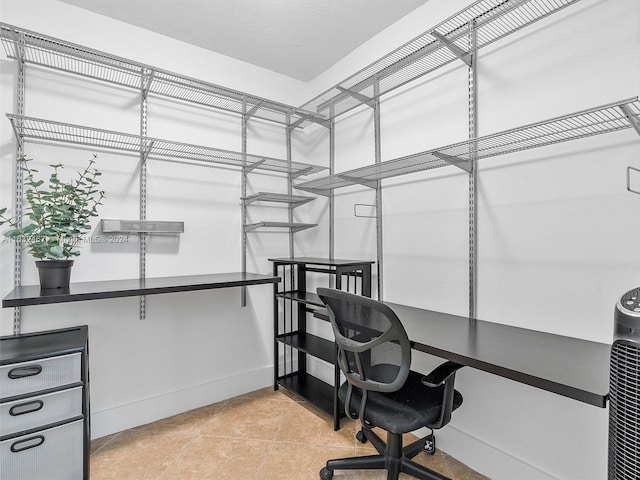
(575, 368)
(33, 295)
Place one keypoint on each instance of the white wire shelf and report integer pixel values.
(293, 200)
(599, 120)
(35, 128)
(294, 227)
(42, 50)
(439, 46)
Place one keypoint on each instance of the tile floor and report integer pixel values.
(263, 435)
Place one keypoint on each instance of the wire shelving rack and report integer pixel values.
(294, 226)
(38, 49)
(595, 121)
(443, 44)
(293, 200)
(35, 128)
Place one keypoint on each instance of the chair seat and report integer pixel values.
(412, 407)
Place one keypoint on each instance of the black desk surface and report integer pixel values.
(575, 368)
(336, 262)
(33, 295)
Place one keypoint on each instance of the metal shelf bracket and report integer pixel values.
(300, 173)
(633, 119)
(456, 161)
(254, 165)
(146, 80)
(367, 183)
(466, 57)
(253, 110)
(307, 116)
(358, 96)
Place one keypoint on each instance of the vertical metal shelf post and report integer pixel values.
(290, 177)
(378, 159)
(243, 205)
(19, 185)
(332, 168)
(473, 175)
(145, 81)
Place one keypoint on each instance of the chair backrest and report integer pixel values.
(374, 352)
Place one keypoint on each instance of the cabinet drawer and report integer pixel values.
(40, 410)
(51, 454)
(27, 377)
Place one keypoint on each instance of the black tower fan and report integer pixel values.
(624, 390)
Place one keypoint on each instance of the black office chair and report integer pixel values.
(374, 354)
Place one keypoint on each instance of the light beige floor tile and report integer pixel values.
(460, 471)
(269, 393)
(136, 455)
(98, 443)
(289, 461)
(250, 418)
(190, 422)
(263, 435)
(436, 462)
(217, 458)
(305, 425)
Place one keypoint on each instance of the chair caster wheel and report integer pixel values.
(430, 445)
(326, 474)
(361, 437)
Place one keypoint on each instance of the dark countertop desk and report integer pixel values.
(578, 369)
(33, 295)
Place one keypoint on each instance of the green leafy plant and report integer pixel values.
(59, 211)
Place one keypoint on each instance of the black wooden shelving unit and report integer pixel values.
(293, 344)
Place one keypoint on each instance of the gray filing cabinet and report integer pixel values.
(44, 405)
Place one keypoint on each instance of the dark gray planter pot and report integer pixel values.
(54, 273)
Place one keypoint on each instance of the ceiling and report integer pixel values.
(297, 38)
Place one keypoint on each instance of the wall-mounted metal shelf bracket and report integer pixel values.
(254, 165)
(146, 81)
(300, 173)
(307, 116)
(146, 149)
(360, 181)
(466, 57)
(458, 162)
(633, 119)
(358, 96)
(252, 112)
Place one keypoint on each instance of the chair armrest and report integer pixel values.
(441, 374)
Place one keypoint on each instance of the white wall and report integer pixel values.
(557, 229)
(193, 348)
(556, 226)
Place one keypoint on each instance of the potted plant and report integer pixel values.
(59, 214)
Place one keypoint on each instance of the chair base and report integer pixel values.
(392, 457)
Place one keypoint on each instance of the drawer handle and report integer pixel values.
(27, 407)
(22, 372)
(27, 443)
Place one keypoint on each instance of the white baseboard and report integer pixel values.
(147, 410)
(485, 458)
